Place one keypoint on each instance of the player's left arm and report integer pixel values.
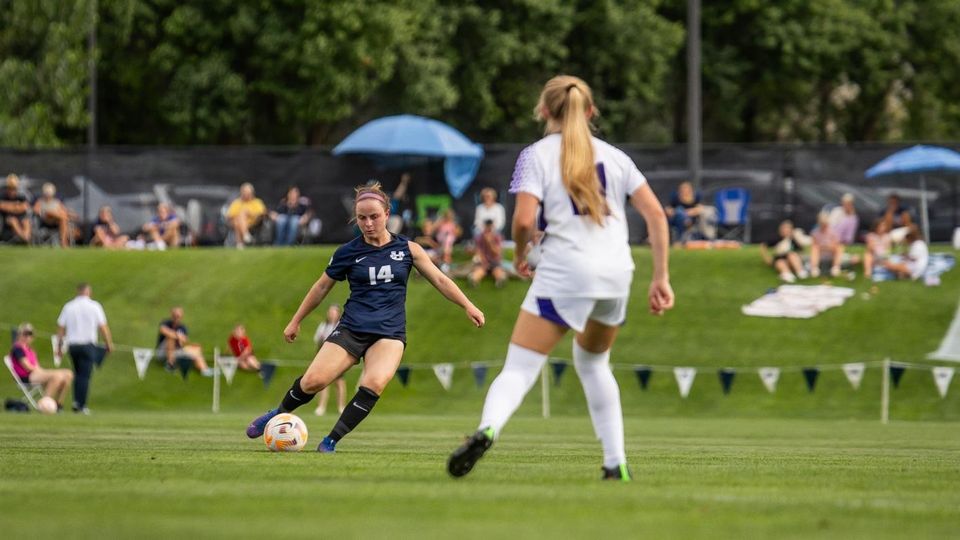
(442, 283)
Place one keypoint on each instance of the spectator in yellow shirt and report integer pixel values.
(245, 213)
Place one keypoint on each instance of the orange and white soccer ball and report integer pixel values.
(285, 433)
(47, 405)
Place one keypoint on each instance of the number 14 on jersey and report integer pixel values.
(384, 275)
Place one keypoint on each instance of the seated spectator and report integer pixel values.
(244, 214)
(489, 255)
(242, 349)
(878, 247)
(323, 332)
(164, 228)
(690, 219)
(15, 210)
(826, 247)
(106, 232)
(55, 382)
(53, 214)
(172, 343)
(489, 209)
(896, 214)
(915, 263)
(292, 213)
(786, 248)
(446, 231)
(844, 220)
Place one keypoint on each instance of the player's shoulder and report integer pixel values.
(609, 151)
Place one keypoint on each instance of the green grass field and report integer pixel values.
(161, 475)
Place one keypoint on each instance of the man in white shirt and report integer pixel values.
(77, 328)
(489, 209)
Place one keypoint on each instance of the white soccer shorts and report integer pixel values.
(575, 312)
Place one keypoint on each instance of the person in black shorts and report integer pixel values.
(373, 327)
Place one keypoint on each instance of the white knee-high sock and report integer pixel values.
(507, 391)
(603, 400)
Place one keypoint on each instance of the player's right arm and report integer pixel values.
(314, 297)
(524, 227)
(661, 294)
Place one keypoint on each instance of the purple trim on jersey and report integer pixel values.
(549, 312)
(602, 175)
(524, 162)
(541, 219)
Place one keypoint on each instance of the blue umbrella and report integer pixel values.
(918, 159)
(408, 135)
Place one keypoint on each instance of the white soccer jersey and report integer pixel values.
(579, 257)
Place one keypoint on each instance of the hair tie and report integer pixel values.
(571, 87)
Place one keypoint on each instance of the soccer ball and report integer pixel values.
(47, 405)
(285, 433)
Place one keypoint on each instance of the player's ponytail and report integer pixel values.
(565, 103)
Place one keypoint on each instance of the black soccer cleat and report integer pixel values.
(620, 472)
(464, 458)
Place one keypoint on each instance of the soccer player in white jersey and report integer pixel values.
(582, 279)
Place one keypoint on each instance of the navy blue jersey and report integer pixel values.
(378, 285)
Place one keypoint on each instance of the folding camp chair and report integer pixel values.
(733, 213)
(31, 391)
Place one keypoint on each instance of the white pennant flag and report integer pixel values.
(229, 366)
(769, 376)
(55, 342)
(444, 373)
(854, 372)
(942, 376)
(141, 358)
(684, 376)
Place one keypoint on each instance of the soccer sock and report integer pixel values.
(358, 409)
(603, 400)
(295, 397)
(507, 391)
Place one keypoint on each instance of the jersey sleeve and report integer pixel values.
(634, 178)
(528, 175)
(101, 315)
(339, 265)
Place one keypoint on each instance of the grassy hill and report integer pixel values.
(262, 288)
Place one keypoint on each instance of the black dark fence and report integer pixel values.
(785, 181)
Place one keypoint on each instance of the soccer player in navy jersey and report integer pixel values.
(373, 327)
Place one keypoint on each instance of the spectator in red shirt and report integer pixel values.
(489, 256)
(243, 350)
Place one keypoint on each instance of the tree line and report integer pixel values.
(306, 72)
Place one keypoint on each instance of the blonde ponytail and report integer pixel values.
(565, 104)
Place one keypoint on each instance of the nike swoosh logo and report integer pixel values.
(361, 408)
(361, 258)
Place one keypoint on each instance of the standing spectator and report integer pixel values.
(292, 213)
(844, 220)
(489, 209)
(915, 263)
(164, 228)
(172, 343)
(786, 248)
(106, 232)
(826, 247)
(53, 214)
(244, 214)
(242, 349)
(446, 231)
(323, 332)
(896, 214)
(399, 216)
(686, 214)
(15, 210)
(489, 256)
(54, 381)
(878, 247)
(77, 328)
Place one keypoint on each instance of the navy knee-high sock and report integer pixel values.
(295, 397)
(358, 409)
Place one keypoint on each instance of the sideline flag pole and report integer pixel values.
(885, 393)
(545, 390)
(216, 380)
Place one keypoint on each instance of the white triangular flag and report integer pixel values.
(684, 376)
(769, 376)
(55, 342)
(444, 373)
(229, 366)
(854, 372)
(942, 376)
(142, 359)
